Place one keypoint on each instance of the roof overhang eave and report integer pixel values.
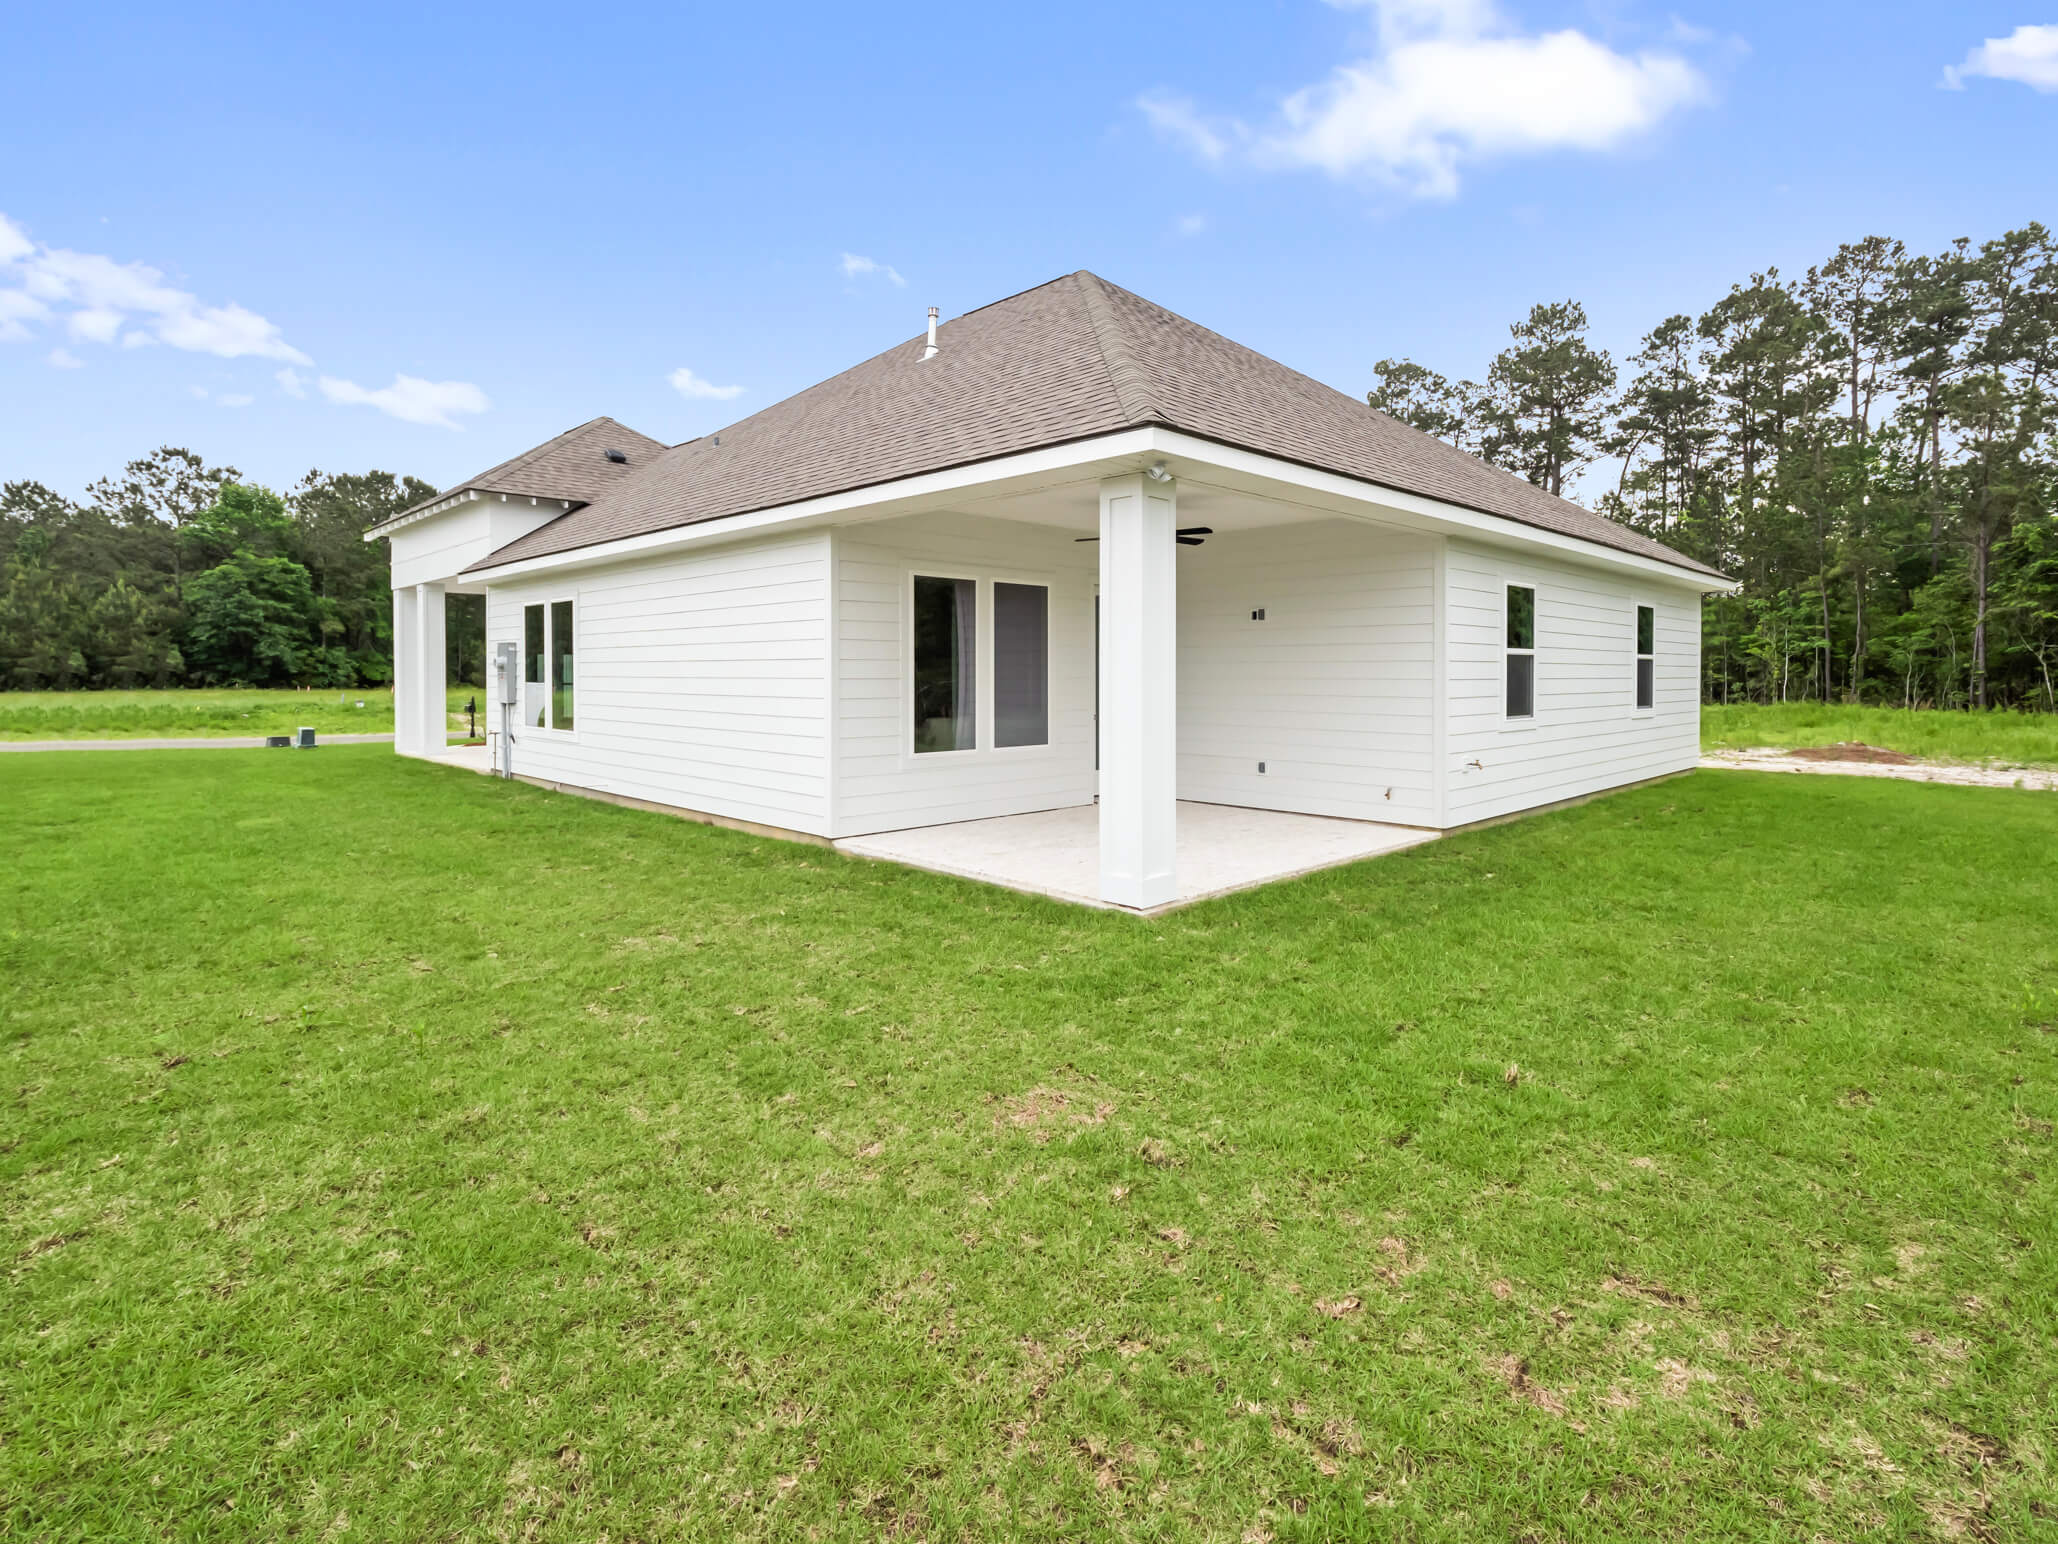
(1336, 492)
(458, 498)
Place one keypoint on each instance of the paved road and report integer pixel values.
(242, 743)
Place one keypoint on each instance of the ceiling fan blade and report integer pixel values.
(1188, 541)
(1180, 535)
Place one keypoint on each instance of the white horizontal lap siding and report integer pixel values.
(1333, 691)
(881, 784)
(1587, 734)
(702, 680)
(438, 549)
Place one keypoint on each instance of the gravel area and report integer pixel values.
(1969, 776)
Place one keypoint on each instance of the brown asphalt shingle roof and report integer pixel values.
(572, 466)
(1068, 360)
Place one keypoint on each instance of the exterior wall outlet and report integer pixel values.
(1258, 615)
(1261, 768)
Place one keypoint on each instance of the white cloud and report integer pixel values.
(98, 325)
(411, 399)
(855, 267)
(99, 300)
(687, 384)
(98, 296)
(2028, 55)
(17, 310)
(229, 332)
(14, 241)
(1448, 83)
(1191, 224)
(1178, 120)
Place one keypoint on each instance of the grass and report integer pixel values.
(202, 713)
(2023, 739)
(398, 1151)
(2018, 739)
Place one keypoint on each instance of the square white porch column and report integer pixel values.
(431, 717)
(406, 613)
(1139, 705)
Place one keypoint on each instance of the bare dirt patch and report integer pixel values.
(1041, 1109)
(1675, 1377)
(1400, 1261)
(1854, 750)
(1890, 764)
(1648, 1291)
(1513, 1372)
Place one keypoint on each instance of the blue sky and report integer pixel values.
(421, 239)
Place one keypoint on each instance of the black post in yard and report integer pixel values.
(471, 714)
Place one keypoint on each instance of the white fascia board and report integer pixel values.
(1346, 496)
(457, 500)
(878, 502)
(1330, 492)
(416, 517)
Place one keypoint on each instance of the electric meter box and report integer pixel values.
(507, 675)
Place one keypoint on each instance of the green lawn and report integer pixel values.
(394, 1153)
(2024, 739)
(2018, 739)
(204, 713)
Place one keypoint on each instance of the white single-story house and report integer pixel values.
(1067, 552)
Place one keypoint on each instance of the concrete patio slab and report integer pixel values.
(1057, 853)
(473, 758)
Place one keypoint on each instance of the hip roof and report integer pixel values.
(1069, 360)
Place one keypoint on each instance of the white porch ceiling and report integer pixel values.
(1075, 506)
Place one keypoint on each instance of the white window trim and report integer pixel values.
(1636, 657)
(989, 699)
(982, 666)
(983, 581)
(1510, 724)
(562, 736)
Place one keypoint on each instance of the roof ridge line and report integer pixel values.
(1131, 381)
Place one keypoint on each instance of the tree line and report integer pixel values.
(1870, 449)
(177, 573)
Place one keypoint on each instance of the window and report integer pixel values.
(946, 664)
(1021, 664)
(560, 664)
(1646, 650)
(1521, 651)
(547, 665)
(532, 669)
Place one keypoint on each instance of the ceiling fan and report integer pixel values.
(1186, 536)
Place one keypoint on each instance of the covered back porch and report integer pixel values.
(1131, 691)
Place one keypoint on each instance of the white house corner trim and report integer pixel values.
(832, 690)
(1440, 682)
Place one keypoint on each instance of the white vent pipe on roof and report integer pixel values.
(930, 351)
